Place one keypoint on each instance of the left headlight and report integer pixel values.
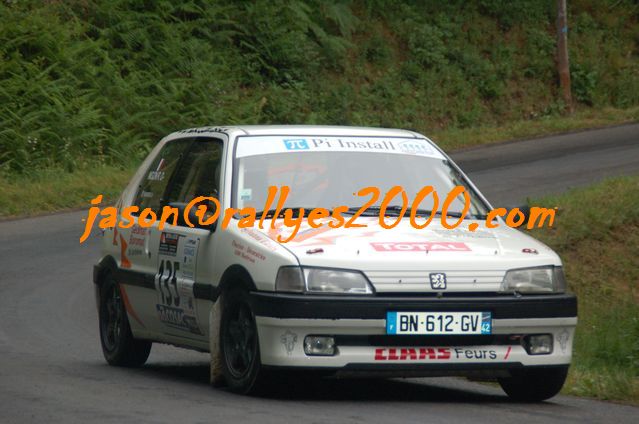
(322, 281)
(545, 279)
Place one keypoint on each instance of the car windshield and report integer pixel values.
(328, 172)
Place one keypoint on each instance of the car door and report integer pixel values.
(138, 260)
(179, 248)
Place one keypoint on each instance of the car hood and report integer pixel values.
(400, 259)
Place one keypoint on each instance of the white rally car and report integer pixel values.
(359, 301)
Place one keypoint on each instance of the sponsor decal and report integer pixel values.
(188, 263)
(169, 243)
(246, 253)
(331, 143)
(412, 354)
(436, 354)
(135, 252)
(203, 130)
(158, 174)
(437, 280)
(412, 246)
(175, 317)
(415, 147)
(252, 146)
(260, 238)
(353, 144)
(462, 353)
(296, 144)
(255, 253)
(278, 229)
(289, 339)
(136, 241)
(176, 306)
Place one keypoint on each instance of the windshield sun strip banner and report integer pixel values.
(263, 145)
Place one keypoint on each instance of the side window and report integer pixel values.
(199, 172)
(157, 177)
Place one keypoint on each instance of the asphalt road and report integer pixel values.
(51, 366)
(509, 173)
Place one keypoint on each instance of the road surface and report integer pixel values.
(52, 370)
(509, 173)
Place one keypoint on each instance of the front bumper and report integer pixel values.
(359, 328)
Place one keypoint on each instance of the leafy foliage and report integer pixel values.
(93, 81)
(597, 236)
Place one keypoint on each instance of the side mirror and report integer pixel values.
(525, 209)
(210, 210)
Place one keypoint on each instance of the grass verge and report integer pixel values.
(54, 190)
(454, 138)
(597, 236)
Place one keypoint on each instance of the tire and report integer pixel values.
(118, 345)
(239, 345)
(535, 384)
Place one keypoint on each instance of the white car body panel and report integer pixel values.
(395, 261)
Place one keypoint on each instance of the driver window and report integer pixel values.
(199, 172)
(158, 175)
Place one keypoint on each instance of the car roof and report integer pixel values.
(318, 130)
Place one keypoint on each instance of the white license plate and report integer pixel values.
(437, 323)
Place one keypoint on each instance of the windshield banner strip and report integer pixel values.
(254, 146)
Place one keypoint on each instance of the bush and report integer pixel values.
(583, 82)
(93, 81)
(427, 46)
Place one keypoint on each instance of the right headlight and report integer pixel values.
(544, 279)
(314, 280)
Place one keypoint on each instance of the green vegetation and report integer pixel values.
(597, 236)
(55, 189)
(50, 190)
(457, 138)
(86, 83)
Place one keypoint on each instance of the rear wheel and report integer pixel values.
(239, 345)
(534, 384)
(118, 345)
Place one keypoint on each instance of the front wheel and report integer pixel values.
(118, 345)
(534, 384)
(239, 345)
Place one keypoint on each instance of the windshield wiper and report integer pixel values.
(368, 212)
(271, 212)
(450, 214)
(395, 210)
